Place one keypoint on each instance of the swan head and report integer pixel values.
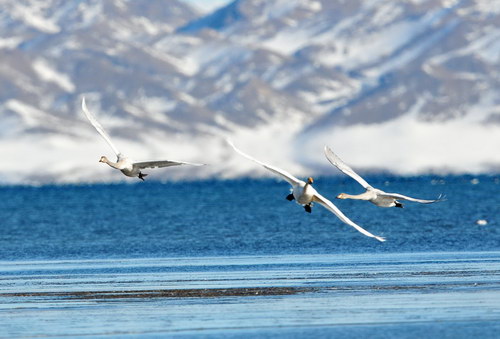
(310, 180)
(103, 159)
(341, 196)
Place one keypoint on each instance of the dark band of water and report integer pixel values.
(165, 293)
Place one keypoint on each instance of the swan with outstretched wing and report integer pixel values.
(123, 163)
(304, 194)
(373, 195)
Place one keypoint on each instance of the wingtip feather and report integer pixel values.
(327, 150)
(84, 107)
(331, 156)
(229, 142)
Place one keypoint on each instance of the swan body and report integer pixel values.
(126, 165)
(305, 194)
(373, 195)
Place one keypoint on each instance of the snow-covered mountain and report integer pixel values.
(407, 86)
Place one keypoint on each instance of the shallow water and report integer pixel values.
(255, 296)
(234, 258)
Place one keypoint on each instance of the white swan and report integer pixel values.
(304, 194)
(373, 195)
(123, 163)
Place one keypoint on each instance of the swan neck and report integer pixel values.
(356, 197)
(306, 187)
(111, 163)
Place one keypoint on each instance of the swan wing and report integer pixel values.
(162, 163)
(404, 197)
(343, 167)
(284, 174)
(99, 128)
(334, 209)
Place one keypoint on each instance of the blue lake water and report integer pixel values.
(234, 258)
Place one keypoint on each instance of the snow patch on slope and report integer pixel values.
(10, 43)
(268, 144)
(30, 115)
(410, 146)
(30, 16)
(47, 72)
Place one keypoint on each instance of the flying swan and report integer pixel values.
(304, 194)
(373, 195)
(123, 163)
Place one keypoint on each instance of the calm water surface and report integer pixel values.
(234, 258)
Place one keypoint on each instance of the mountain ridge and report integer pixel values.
(294, 74)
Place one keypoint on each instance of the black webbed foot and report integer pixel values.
(142, 175)
(308, 208)
(290, 197)
(398, 204)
